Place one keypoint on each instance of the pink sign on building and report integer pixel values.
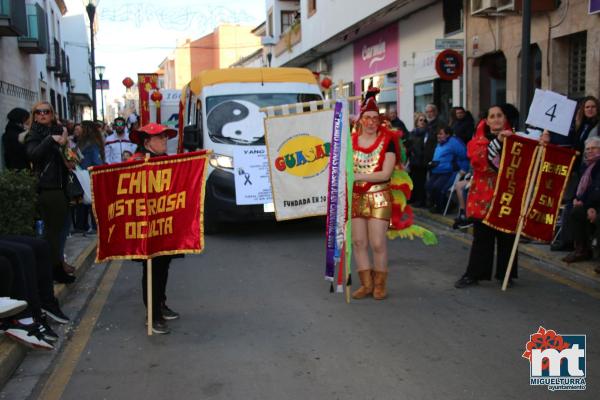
(375, 53)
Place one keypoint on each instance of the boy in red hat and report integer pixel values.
(152, 140)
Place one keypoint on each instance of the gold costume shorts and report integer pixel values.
(376, 203)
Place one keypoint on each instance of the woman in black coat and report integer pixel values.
(15, 156)
(44, 144)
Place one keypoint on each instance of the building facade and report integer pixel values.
(36, 53)
(226, 45)
(564, 51)
(387, 44)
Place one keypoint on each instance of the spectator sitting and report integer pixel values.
(15, 155)
(583, 216)
(462, 124)
(450, 157)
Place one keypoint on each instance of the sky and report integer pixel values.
(136, 36)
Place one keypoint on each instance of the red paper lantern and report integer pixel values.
(156, 96)
(326, 83)
(128, 82)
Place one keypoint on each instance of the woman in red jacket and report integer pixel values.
(484, 152)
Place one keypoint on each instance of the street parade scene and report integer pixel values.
(299, 199)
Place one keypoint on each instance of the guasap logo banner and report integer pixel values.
(298, 148)
(150, 207)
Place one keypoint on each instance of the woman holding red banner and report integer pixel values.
(484, 152)
(152, 141)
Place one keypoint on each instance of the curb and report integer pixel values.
(12, 353)
(536, 256)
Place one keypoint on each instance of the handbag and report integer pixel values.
(73, 189)
(83, 176)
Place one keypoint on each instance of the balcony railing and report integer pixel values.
(36, 39)
(53, 56)
(289, 39)
(13, 18)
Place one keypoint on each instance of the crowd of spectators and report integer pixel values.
(37, 142)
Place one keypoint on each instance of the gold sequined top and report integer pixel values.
(368, 160)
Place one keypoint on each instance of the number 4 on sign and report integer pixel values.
(551, 111)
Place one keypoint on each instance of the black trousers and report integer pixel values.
(160, 275)
(583, 231)
(32, 272)
(54, 210)
(6, 277)
(419, 178)
(481, 258)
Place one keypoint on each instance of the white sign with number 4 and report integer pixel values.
(552, 111)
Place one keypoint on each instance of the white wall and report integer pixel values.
(75, 38)
(342, 64)
(417, 56)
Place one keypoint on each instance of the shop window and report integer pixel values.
(287, 20)
(577, 59)
(312, 7)
(388, 84)
(438, 92)
(346, 90)
(492, 80)
(453, 16)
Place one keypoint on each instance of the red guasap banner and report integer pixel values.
(150, 207)
(554, 172)
(514, 177)
(146, 82)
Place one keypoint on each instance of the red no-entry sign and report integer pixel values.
(449, 64)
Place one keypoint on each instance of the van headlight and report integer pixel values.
(221, 161)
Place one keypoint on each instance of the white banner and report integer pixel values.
(251, 175)
(298, 149)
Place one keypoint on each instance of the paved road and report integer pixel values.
(258, 322)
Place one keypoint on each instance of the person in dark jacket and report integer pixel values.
(462, 124)
(43, 145)
(586, 203)
(434, 123)
(15, 155)
(397, 122)
(152, 140)
(416, 156)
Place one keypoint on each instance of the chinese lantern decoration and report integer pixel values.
(326, 83)
(156, 97)
(128, 82)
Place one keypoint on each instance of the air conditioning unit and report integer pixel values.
(505, 5)
(322, 66)
(482, 7)
(517, 5)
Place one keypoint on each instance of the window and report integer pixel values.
(344, 91)
(453, 16)
(577, 57)
(312, 7)
(388, 84)
(270, 23)
(287, 20)
(53, 99)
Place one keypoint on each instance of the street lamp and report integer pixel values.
(100, 70)
(90, 7)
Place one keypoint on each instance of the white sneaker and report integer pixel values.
(29, 335)
(10, 306)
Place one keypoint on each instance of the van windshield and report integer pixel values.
(236, 119)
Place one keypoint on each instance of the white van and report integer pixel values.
(220, 111)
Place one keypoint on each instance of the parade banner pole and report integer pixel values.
(536, 169)
(149, 294)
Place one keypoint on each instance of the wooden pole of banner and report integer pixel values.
(536, 168)
(149, 294)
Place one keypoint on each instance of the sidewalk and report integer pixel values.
(81, 252)
(535, 256)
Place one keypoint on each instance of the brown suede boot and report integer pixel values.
(380, 293)
(581, 253)
(366, 287)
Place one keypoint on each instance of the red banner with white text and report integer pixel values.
(150, 207)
